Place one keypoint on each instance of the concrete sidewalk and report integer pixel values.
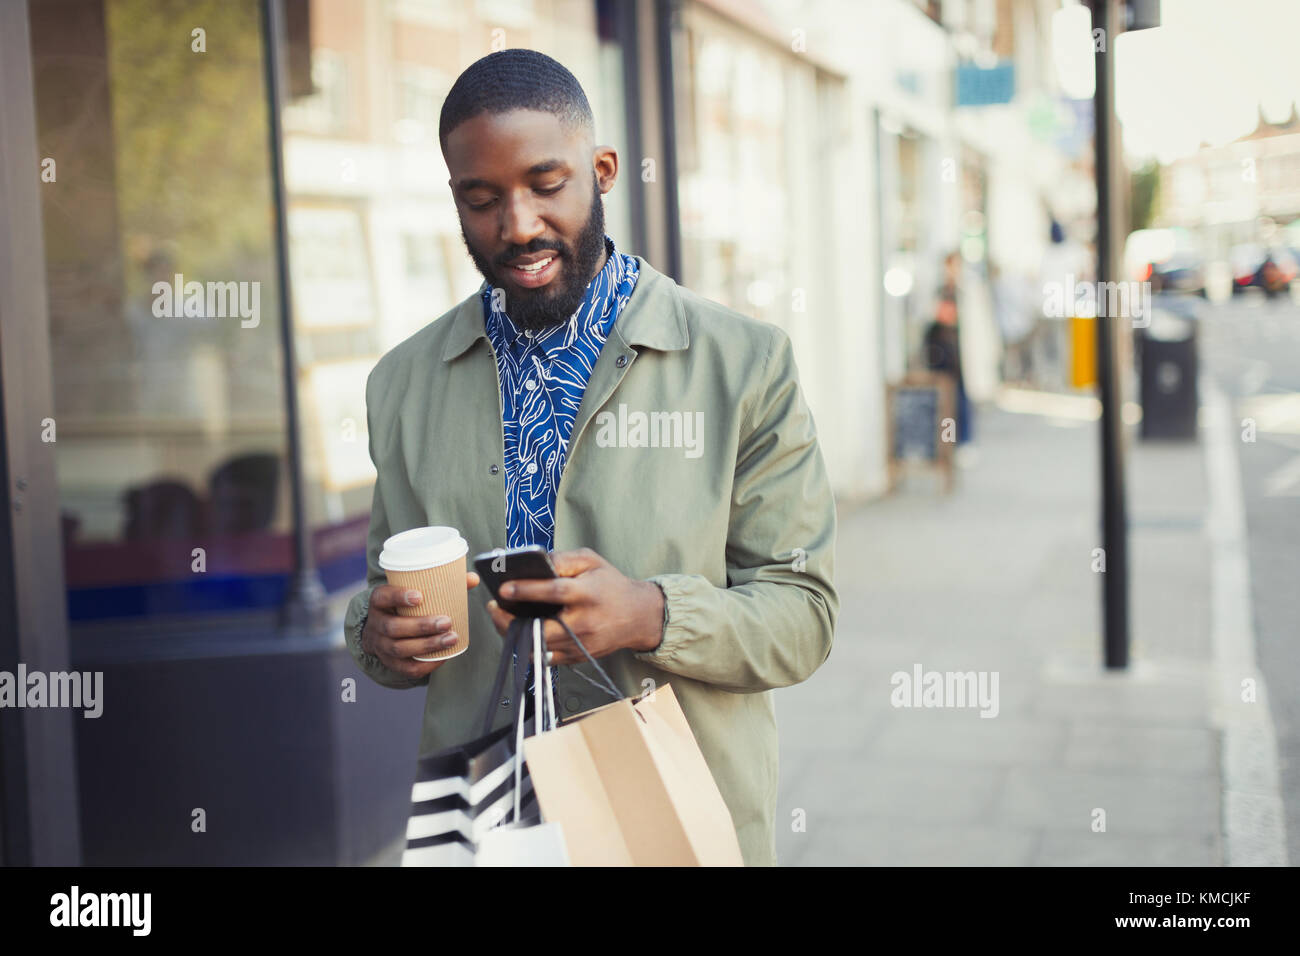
(998, 577)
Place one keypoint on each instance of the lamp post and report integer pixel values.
(305, 607)
(1114, 517)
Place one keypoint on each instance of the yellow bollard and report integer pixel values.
(1083, 351)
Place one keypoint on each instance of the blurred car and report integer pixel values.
(1271, 268)
(1170, 259)
(1182, 272)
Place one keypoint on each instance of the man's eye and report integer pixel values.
(550, 190)
(479, 207)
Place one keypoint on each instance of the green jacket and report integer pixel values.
(736, 523)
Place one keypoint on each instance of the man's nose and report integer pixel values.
(520, 223)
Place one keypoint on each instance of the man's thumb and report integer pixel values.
(570, 564)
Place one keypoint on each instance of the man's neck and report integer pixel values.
(604, 257)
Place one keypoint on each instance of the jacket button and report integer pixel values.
(505, 701)
(622, 361)
(572, 704)
(493, 469)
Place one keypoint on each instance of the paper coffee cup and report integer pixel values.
(432, 560)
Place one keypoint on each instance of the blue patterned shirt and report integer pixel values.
(543, 377)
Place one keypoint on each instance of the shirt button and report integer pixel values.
(622, 361)
(493, 469)
(530, 384)
(532, 468)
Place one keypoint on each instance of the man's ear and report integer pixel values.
(604, 161)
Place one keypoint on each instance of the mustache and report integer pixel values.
(537, 245)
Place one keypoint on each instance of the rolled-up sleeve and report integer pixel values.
(774, 622)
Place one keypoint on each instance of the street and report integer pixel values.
(1252, 348)
(1075, 766)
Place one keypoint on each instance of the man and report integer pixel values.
(942, 342)
(657, 442)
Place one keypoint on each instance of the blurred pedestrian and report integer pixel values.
(942, 342)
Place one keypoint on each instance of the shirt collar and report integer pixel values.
(655, 317)
(587, 320)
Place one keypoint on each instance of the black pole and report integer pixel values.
(666, 12)
(625, 32)
(1114, 520)
(304, 605)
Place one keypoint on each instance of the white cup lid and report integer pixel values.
(422, 548)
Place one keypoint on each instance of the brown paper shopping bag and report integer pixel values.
(629, 787)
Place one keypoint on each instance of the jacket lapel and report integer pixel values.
(475, 391)
(653, 318)
(466, 326)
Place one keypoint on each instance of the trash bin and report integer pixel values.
(1167, 372)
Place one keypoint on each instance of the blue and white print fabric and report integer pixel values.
(543, 378)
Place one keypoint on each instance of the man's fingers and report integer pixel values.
(565, 589)
(557, 641)
(550, 590)
(471, 579)
(396, 628)
(388, 597)
(554, 636)
(570, 564)
(423, 646)
(500, 619)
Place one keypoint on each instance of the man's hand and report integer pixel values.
(606, 609)
(395, 640)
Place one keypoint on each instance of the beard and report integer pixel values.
(555, 302)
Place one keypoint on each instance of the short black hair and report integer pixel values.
(515, 80)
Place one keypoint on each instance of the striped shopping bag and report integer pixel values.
(473, 793)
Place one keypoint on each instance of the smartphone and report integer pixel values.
(497, 567)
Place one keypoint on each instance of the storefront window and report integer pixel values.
(164, 322)
(161, 264)
(747, 131)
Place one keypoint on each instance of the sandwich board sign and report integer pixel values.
(921, 425)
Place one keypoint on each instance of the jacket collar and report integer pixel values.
(653, 317)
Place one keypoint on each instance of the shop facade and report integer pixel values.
(198, 276)
(210, 238)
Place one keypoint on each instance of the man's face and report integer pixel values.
(527, 191)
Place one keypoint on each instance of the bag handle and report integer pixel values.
(543, 693)
(514, 642)
(518, 636)
(610, 687)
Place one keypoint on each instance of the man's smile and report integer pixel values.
(534, 271)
